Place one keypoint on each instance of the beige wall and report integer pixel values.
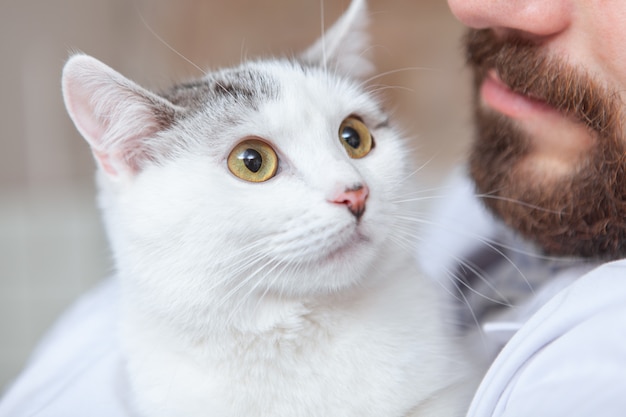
(51, 245)
(38, 143)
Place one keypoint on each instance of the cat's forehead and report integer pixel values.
(254, 84)
(245, 85)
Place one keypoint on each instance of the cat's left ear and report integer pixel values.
(345, 46)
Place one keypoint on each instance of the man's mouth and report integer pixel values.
(556, 138)
(498, 96)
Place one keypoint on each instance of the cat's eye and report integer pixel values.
(253, 160)
(355, 137)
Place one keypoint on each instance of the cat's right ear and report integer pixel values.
(115, 116)
(346, 45)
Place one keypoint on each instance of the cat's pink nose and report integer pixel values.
(354, 198)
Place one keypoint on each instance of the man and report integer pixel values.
(547, 279)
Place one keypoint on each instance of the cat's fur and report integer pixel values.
(271, 298)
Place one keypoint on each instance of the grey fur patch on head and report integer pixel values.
(242, 86)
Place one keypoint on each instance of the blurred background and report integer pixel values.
(52, 247)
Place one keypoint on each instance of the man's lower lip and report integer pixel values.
(499, 97)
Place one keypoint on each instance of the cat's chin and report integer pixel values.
(349, 251)
(340, 268)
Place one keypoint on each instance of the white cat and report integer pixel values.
(254, 221)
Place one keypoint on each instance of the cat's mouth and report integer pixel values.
(348, 249)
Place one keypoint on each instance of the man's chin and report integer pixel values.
(544, 171)
(568, 206)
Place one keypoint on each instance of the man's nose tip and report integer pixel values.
(535, 18)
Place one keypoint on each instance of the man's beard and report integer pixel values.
(582, 213)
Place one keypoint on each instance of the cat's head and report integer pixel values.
(279, 175)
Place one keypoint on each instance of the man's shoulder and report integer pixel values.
(568, 358)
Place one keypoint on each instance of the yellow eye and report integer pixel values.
(355, 137)
(253, 160)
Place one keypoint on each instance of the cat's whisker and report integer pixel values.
(226, 90)
(418, 199)
(516, 201)
(405, 240)
(261, 298)
(246, 262)
(503, 300)
(474, 269)
(258, 281)
(375, 89)
(483, 239)
(441, 191)
(250, 247)
(246, 257)
(243, 52)
(249, 261)
(243, 263)
(163, 41)
(426, 163)
(413, 219)
(454, 279)
(234, 268)
(495, 246)
(399, 70)
(287, 269)
(415, 171)
(242, 283)
(531, 254)
(323, 37)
